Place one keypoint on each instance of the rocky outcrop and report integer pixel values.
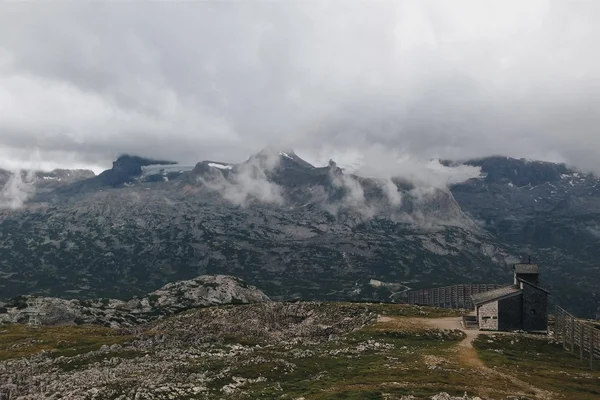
(194, 354)
(172, 298)
(272, 322)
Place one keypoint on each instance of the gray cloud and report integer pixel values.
(354, 195)
(17, 190)
(249, 182)
(401, 81)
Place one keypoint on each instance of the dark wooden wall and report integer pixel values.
(535, 309)
(509, 313)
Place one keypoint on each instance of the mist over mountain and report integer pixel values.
(301, 231)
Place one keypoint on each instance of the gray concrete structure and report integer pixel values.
(520, 306)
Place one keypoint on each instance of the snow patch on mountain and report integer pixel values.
(220, 166)
(161, 169)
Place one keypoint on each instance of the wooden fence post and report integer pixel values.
(581, 344)
(564, 330)
(572, 334)
(556, 323)
(591, 347)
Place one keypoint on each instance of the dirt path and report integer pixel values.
(467, 356)
(455, 323)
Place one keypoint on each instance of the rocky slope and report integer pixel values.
(174, 297)
(296, 350)
(548, 211)
(298, 231)
(260, 351)
(47, 180)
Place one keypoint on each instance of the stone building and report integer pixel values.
(520, 306)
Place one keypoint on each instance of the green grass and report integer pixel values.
(422, 362)
(368, 375)
(406, 310)
(23, 341)
(72, 364)
(540, 363)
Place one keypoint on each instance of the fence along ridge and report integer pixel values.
(581, 338)
(453, 296)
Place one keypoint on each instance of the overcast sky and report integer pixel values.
(367, 81)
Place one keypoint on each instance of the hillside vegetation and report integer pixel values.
(287, 351)
(298, 231)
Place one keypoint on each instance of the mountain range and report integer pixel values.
(297, 231)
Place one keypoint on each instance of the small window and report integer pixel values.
(532, 312)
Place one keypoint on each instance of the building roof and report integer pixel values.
(532, 285)
(527, 269)
(490, 295)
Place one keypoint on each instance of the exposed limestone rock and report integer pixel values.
(205, 290)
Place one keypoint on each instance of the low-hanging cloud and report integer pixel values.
(385, 165)
(248, 182)
(390, 189)
(220, 80)
(17, 190)
(353, 194)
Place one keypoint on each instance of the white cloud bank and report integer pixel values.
(83, 82)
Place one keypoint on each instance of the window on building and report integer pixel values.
(532, 312)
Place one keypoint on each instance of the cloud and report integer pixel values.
(353, 194)
(249, 182)
(392, 193)
(17, 190)
(221, 80)
(382, 163)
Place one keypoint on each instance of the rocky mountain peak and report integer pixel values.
(125, 170)
(132, 165)
(333, 168)
(270, 156)
(208, 166)
(73, 174)
(520, 172)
